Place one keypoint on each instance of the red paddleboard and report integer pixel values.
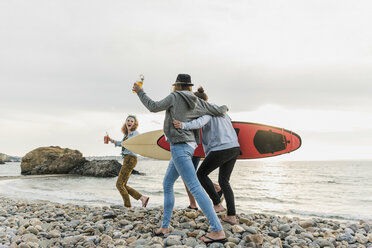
(256, 141)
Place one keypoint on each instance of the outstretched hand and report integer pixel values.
(177, 124)
(136, 88)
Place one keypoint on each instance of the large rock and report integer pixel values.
(98, 168)
(56, 160)
(51, 160)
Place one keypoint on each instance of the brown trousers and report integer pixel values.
(121, 184)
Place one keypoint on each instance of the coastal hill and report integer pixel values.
(7, 158)
(3, 158)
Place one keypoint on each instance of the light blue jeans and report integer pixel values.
(181, 165)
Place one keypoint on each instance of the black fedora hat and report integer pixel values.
(183, 79)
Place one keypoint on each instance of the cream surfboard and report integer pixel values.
(146, 145)
(256, 141)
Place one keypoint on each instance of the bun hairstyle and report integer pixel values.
(200, 93)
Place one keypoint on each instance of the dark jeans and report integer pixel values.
(195, 162)
(225, 160)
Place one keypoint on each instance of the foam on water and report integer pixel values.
(328, 189)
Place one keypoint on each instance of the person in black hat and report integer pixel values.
(183, 105)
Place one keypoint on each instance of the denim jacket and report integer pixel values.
(125, 151)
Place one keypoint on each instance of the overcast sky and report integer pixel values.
(67, 68)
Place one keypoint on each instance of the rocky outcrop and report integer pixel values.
(98, 168)
(51, 160)
(56, 160)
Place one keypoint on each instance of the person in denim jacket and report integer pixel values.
(129, 162)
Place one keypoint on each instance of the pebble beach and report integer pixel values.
(34, 224)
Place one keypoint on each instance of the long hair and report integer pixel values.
(182, 87)
(124, 128)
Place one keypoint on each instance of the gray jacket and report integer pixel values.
(183, 106)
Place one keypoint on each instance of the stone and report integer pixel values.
(54, 234)
(325, 243)
(369, 237)
(45, 243)
(23, 245)
(237, 229)
(276, 242)
(360, 238)
(229, 244)
(284, 228)
(191, 242)
(273, 234)
(35, 222)
(349, 230)
(130, 240)
(245, 221)
(32, 230)
(307, 236)
(233, 240)
(30, 238)
(139, 242)
(105, 239)
(251, 230)
(256, 238)
(216, 245)
(74, 223)
(306, 224)
(173, 240)
(72, 240)
(346, 237)
(191, 214)
(366, 227)
(109, 215)
(353, 227)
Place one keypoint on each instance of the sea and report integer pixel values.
(339, 190)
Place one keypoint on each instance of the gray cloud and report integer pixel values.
(61, 57)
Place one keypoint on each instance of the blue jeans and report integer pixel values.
(195, 162)
(181, 165)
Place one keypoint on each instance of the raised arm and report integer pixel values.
(154, 106)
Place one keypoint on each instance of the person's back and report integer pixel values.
(221, 147)
(219, 134)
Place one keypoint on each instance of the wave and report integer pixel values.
(330, 215)
(264, 199)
